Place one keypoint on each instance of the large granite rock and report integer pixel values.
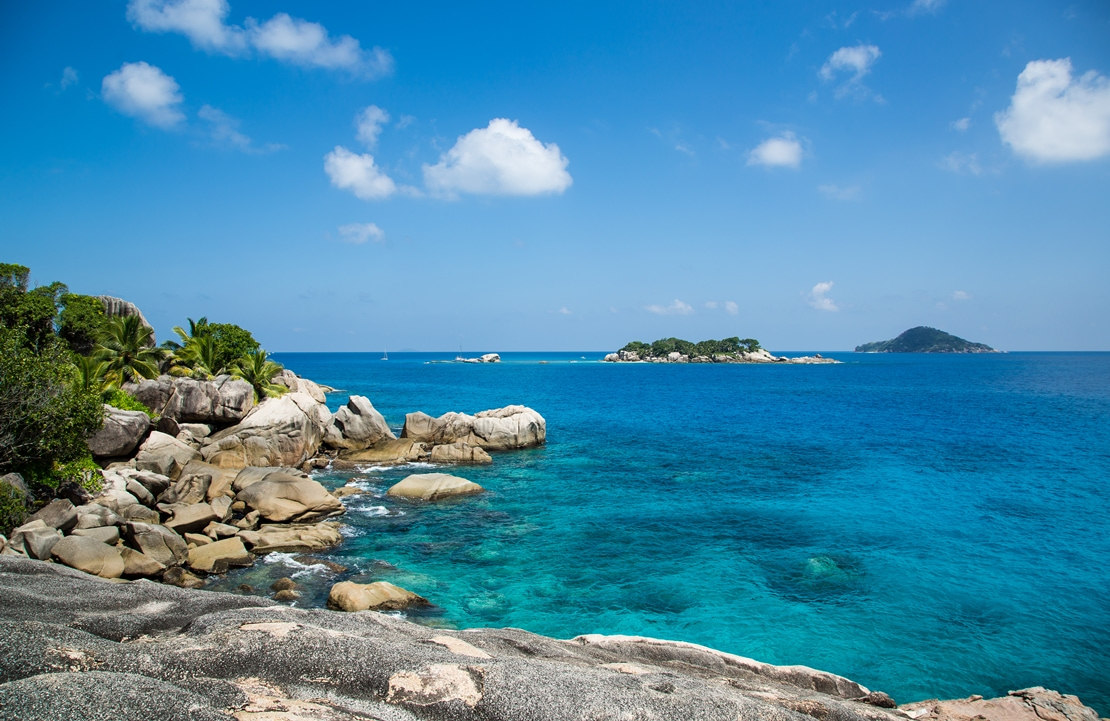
(499, 429)
(120, 308)
(1027, 704)
(199, 481)
(191, 518)
(218, 556)
(388, 452)
(59, 513)
(460, 453)
(222, 400)
(164, 455)
(378, 596)
(89, 555)
(284, 431)
(296, 384)
(433, 487)
(292, 538)
(157, 542)
(35, 538)
(285, 496)
(121, 433)
(205, 652)
(357, 425)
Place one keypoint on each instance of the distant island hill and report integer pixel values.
(729, 350)
(923, 339)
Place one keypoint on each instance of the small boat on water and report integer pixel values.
(385, 355)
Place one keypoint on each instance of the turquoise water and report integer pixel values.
(924, 525)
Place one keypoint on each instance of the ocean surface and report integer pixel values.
(926, 525)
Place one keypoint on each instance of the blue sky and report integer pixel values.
(548, 176)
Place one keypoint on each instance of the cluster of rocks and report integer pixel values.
(74, 646)
(759, 356)
(218, 480)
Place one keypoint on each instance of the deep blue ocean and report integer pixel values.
(926, 525)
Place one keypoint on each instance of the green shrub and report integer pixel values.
(119, 398)
(82, 471)
(13, 509)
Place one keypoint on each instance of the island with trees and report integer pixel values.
(729, 350)
(923, 339)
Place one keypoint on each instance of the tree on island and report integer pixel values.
(924, 339)
(665, 346)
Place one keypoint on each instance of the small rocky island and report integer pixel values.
(923, 339)
(729, 350)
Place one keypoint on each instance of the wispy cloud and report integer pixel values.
(565, 311)
(731, 308)
(359, 233)
(957, 162)
(784, 151)
(1055, 118)
(143, 91)
(961, 125)
(282, 37)
(223, 130)
(818, 297)
(69, 77)
(837, 192)
(961, 295)
(926, 6)
(676, 308)
(369, 122)
(857, 61)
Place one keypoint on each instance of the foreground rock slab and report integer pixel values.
(211, 655)
(378, 596)
(433, 487)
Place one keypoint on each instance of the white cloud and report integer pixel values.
(926, 6)
(69, 77)
(958, 162)
(359, 233)
(961, 125)
(783, 151)
(818, 299)
(145, 92)
(405, 121)
(961, 295)
(358, 174)
(224, 128)
(202, 21)
(857, 60)
(712, 304)
(676, 308)
(564, 311)
(1055, 118)
(836, 192)
(281, 37)
(370, 122)
(500, 159)
(731, 308)
(684, 148)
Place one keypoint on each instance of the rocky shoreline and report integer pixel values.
(218, 482)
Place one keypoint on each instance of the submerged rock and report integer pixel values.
(378, 596)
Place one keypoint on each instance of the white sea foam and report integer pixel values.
(373, 511)
(300, 570)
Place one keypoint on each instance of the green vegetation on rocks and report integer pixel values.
(923, 339)
(664, 346)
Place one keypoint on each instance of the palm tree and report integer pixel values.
(202, 355)
(196, 330)
(126, 349)
(257, 370)
(94, 376)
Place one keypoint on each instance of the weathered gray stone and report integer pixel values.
(285, 497)
(218, 556)
(165, 455)
(141, 494)
(498, 429)
(403, 450)
(136, 563)
(140, 514)
(104, 534)
(357, 425)
(121, 433)
(153, 482)
(59, 514)
(89, 555)
(284, 431)
(216, 530)
(293, 538)
(460, 453)
(93, 515)
(15, 481)
(191, 518)
(378, 596)
(178, 576)
(433, 487)
(222, 400)
(35, 538)
(157, 542)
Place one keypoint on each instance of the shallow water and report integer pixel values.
(924, 525)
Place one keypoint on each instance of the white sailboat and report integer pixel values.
(386, 355)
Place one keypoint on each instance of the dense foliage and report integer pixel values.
(119, 398)
(923, 339)
(81, 322)
(258, 370)
(709, 348)
(210, 349)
